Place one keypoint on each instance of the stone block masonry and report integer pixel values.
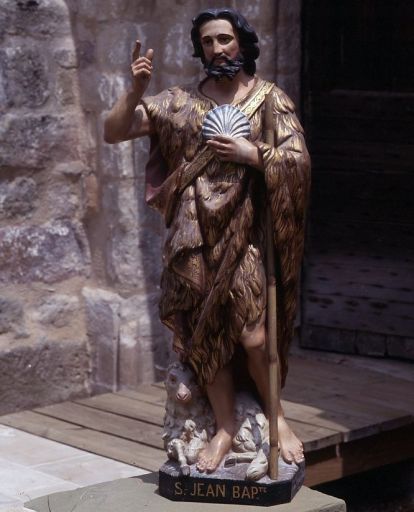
(80, 252)
(44, 249)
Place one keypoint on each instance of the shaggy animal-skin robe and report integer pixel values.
(214, 280)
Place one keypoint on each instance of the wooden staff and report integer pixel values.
(274, 380)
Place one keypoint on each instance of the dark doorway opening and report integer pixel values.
(359, 118)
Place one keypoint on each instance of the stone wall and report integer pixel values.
(45, 161)
(79, 249)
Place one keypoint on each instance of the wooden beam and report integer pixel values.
(92, 441)
(357, 456)
(102, 421)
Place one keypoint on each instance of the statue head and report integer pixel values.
(247, 37)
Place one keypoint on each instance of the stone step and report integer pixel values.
(132, 494)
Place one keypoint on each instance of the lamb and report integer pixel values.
(188, 420)
(189, 425)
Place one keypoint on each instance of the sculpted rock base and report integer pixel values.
(227, 485)
(241, 477)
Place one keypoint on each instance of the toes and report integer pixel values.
(212, 466)
(203, 464)
(299, 457)
(287, 456)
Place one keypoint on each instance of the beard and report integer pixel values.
(228, 70)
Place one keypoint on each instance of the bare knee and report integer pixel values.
(254, 341)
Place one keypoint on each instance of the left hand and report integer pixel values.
(238, 150)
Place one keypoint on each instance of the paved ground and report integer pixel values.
(31, 466)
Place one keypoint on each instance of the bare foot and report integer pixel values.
(210, 457)
(291, 449)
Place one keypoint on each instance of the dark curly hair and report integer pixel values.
(247, 36)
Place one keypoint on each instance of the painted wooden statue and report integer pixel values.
(210, 174)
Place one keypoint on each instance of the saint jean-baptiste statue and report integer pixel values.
(215, 178)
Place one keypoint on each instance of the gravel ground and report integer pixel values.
(387, 489)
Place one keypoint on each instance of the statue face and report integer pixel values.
(218, 40)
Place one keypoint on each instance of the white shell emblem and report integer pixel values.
(225, 120)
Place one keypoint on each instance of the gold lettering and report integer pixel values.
(193, 492)
(236, 491)
(254, 490)
(200, 489)
(221, 489)
(178, 490)
(210, 491)
(245, 493)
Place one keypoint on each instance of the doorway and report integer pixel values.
(358, 289)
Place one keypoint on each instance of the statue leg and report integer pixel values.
(221, 396)
(253, 340)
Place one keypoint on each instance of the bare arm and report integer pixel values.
(127, 119)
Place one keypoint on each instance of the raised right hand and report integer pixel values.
(141, 68)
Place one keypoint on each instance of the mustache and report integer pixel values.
(220, 57)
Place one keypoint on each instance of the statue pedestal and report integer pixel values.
(228, 485)
(141, 493)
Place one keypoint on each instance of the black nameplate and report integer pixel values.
(207, 489)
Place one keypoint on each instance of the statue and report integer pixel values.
(210, 174)
(189, 425)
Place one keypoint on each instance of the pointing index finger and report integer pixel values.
(137, 49)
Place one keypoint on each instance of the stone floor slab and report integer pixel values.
(24, 483)
(14, 507)
(28, 449)
(31, 466)
(140, 493)
(6, 500)
(89, 469)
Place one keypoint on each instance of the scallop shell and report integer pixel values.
(225, 120)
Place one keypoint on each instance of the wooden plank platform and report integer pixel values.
(349, 420)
